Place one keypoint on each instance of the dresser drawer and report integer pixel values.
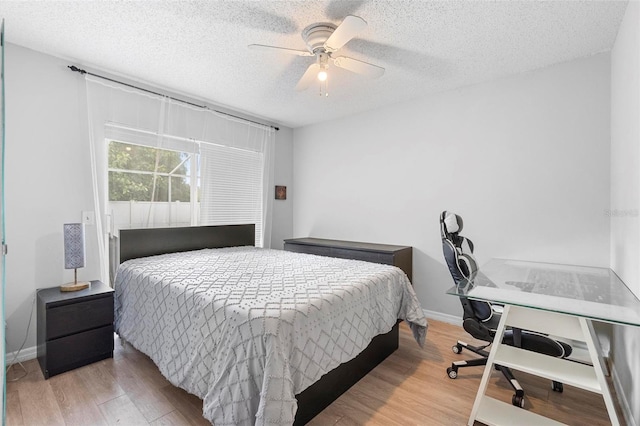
(400, 256)
(72, 351)
(367, 256)
(300, 248)
(76, 317)
(342, 253)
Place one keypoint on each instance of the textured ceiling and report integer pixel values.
(200, 47)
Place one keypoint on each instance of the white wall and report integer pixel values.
(524, 160)
(48, 181)
(625, 198)
(283, 209)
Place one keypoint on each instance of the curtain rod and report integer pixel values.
(81, 71)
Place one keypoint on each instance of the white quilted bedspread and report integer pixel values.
(246, 329)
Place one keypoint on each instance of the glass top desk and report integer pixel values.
(554, 299)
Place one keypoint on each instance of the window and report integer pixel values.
(152, 187)
(213, 185)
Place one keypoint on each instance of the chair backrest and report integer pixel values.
(457, 250)
(458, 253)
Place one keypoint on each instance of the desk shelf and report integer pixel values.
(558, 369)
(589, 377)
(493, 413)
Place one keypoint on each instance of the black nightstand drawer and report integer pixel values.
(77, 317)
(67, 353)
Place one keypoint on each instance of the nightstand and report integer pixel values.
(74, 328)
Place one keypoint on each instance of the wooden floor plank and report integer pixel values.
(356, 411)
(37, 401)
(151, 402)
(411, 387)
(14, 411)
(121, 411)
(188, 405)
(75, 400)
(174, 418)
(99, 382)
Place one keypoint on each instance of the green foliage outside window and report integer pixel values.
(140, 173)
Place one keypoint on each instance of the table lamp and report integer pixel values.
(74, 254)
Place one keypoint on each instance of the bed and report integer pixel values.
(166, 309)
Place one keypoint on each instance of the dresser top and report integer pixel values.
(54, 295)
(352, 245)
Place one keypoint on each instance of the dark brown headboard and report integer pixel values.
(136, 243)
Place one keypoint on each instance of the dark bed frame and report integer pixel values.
(136, 243)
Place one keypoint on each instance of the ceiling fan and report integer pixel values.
(323, 40)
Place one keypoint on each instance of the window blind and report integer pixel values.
(231, 187)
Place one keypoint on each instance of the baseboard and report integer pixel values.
(622, 397)
(439, 316)
(25, 355)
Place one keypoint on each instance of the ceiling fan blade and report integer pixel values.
(359, 67)
(280, 49)
(309, 76)
(347, 30)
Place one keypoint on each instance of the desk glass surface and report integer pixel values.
(595, 293)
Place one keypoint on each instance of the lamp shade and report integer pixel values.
(74, 251)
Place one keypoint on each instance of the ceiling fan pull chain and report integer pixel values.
(324, 87)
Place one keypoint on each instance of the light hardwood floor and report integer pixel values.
(410, 387)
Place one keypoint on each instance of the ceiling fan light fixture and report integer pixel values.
(322, 75)
(323, 62)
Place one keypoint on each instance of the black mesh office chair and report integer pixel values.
(480, 319)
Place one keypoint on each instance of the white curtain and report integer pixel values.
(125, 114)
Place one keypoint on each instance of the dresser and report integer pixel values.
(74, 328)
(400, 256)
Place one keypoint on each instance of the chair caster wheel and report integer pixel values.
(518, 401)
(456, 349)
(452, 373)
(557, 387)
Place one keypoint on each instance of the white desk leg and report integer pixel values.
(489, 367)
(590, 339)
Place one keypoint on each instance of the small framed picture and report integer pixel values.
(281, 192)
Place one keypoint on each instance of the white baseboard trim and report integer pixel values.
(622, 397)
(25, 355)
(439, 316)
